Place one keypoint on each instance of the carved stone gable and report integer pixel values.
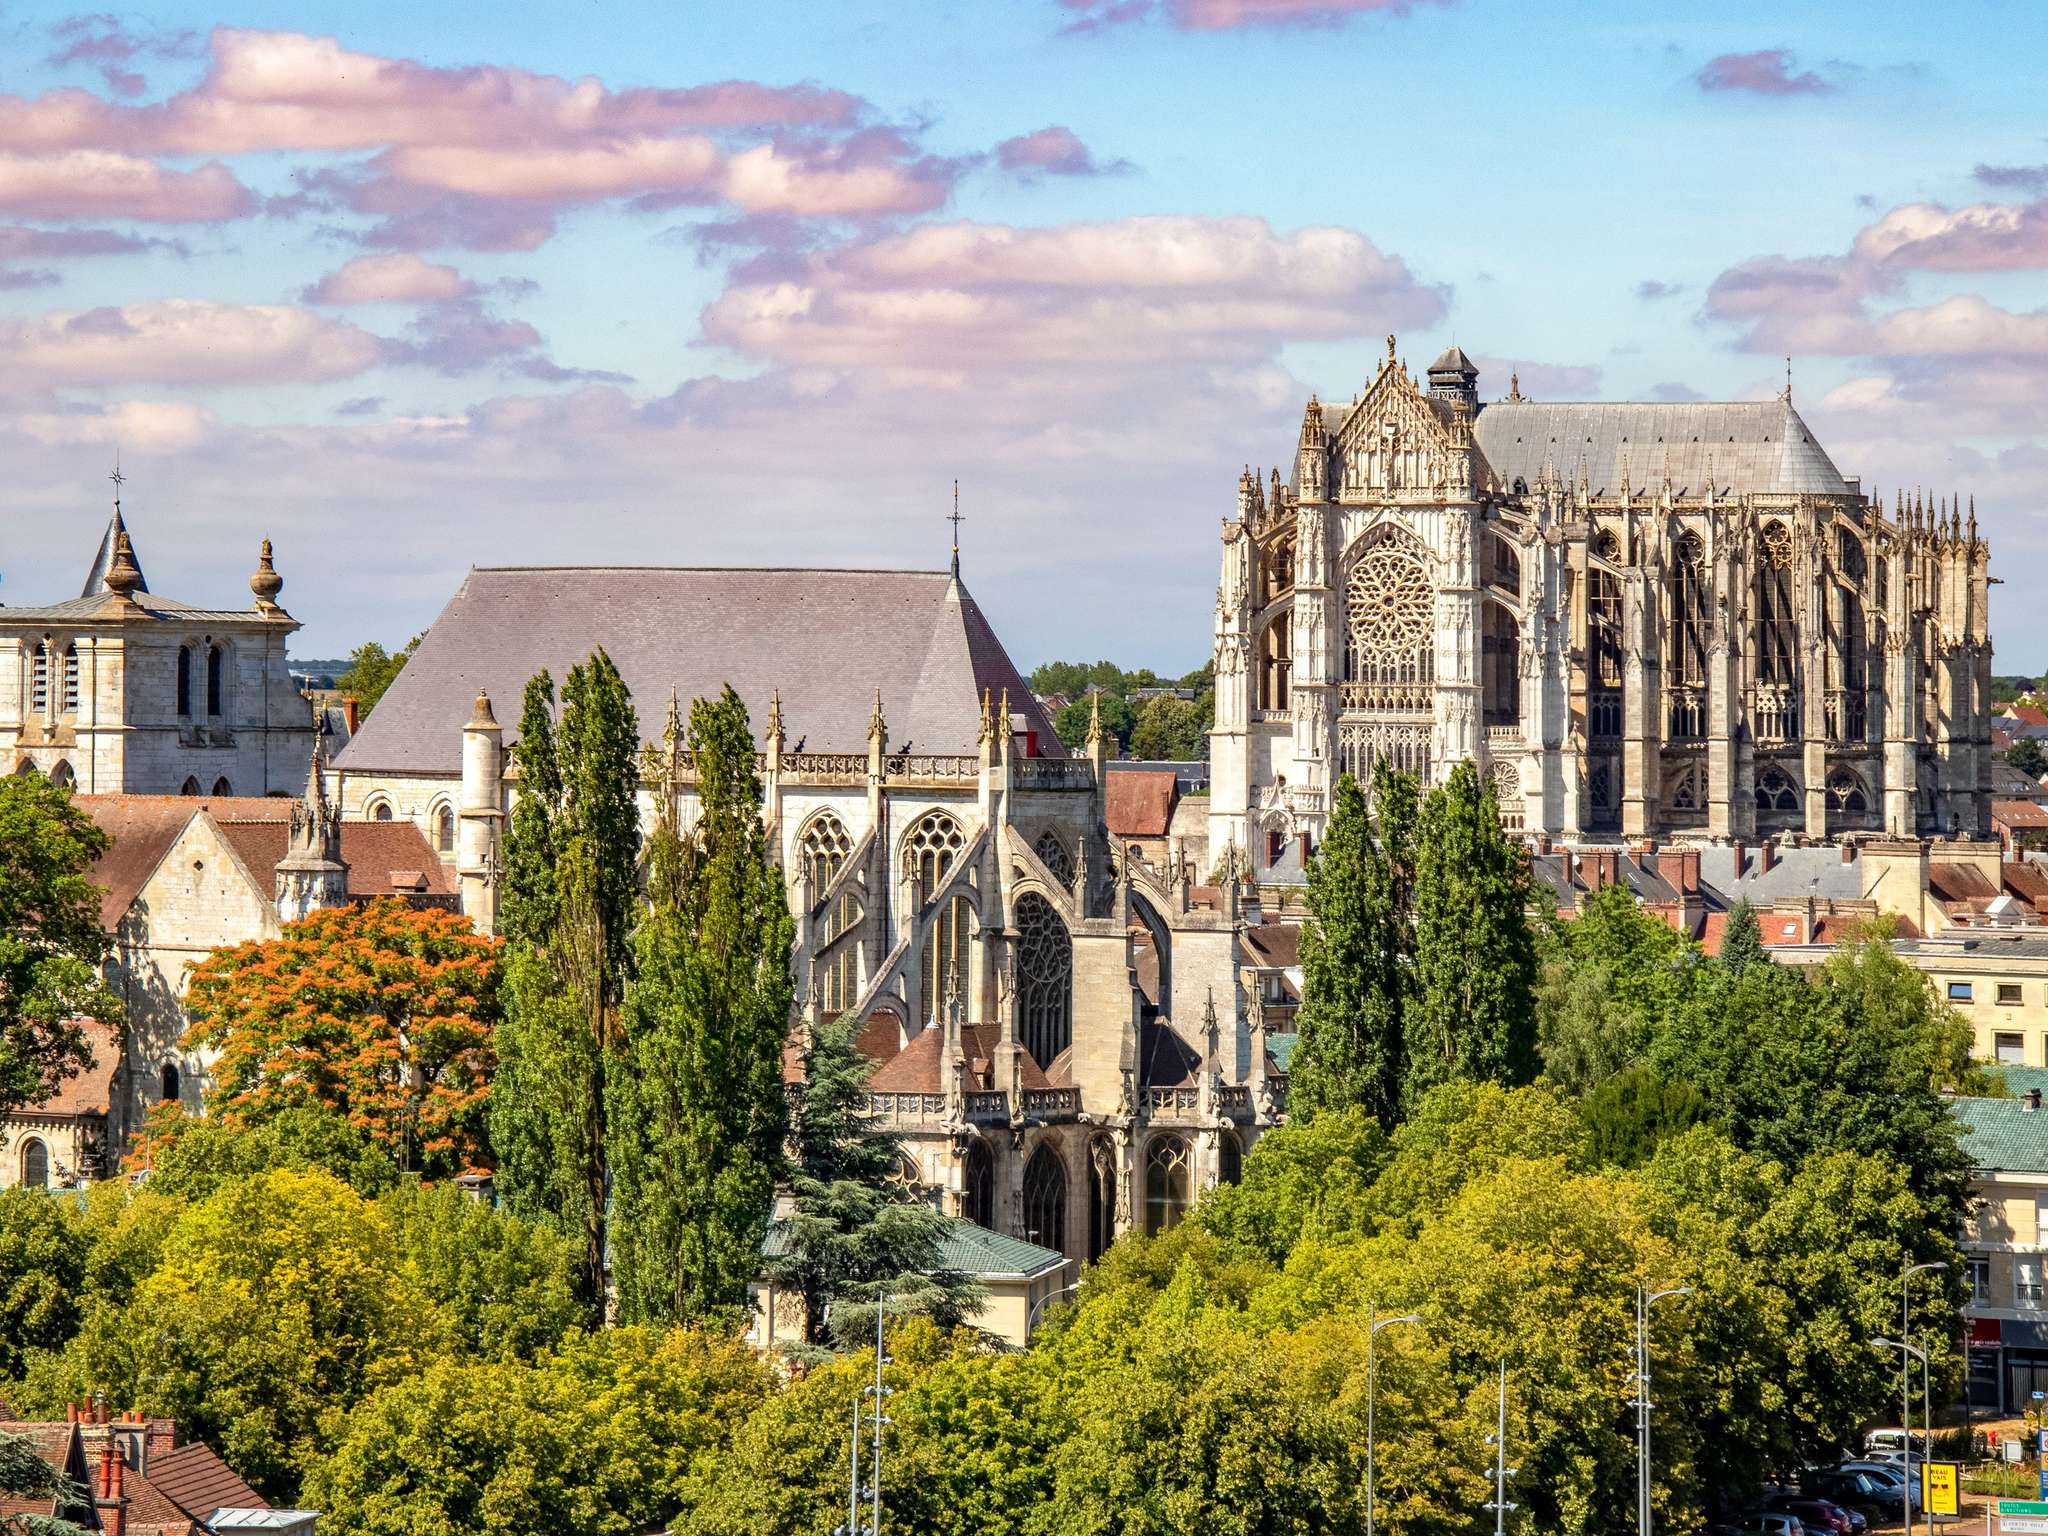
(1393, 441)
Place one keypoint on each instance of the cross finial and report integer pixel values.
(954, 519)
(119, 480)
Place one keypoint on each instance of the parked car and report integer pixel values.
(1892, 1441)
(1764, 1522)
(1853, 1489)
(1821, 1515)
(1897, 1473)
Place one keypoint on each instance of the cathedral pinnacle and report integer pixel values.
(123, 577)
(878, 728)
(775, 714)
(1094, 717)
(987, 732)
(266, 583)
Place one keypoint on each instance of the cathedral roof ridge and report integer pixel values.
(806, 570)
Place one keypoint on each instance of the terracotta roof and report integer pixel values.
(2029, 714)
(384, 858)
(1274, 944)
(150, 1512)
(1712, 931)
(143, 828)
(200, 1482)
(2020, 814)
(1959, 882)
(2029, 883)
(915, 635)
(915, 1068)
(92, 1089)
(1140, 804)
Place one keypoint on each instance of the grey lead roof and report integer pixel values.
(1748, 446)
(826, 639)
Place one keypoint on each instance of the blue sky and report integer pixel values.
(408, 289)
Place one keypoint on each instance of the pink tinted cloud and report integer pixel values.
(1983, 237)
(98, 183)
(1052, 151)
(397, 278)
(111, 50)
(1098, 299)
(187, 342)
(1225, 15)
(1767, 72)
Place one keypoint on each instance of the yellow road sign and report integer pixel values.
(1941, 1487)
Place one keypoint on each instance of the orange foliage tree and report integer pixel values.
(382, 1014)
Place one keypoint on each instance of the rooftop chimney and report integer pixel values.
(2030, 1100)
(1767, 856)
(348, 711)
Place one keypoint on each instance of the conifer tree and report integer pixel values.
(697, 1114)
(1742, 940)
(1473, 1015)
(570, 865)
(1357, 953)
(855, 1239)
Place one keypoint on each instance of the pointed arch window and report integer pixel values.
(945, 968)
(978, 1186)
(1777, 616)
(62, 775)
(1102, 1183)
(39, 676)
(1775, 790)
(1045, 1200)
(168, 1084)
(1045, 965)
(222, 788)
(215, 679)
(929, 849)
(444, 830)
(1052, 853)
(191, 787)
(35, 1163)
(1167, 1181)
(1276, 662)
(68, 698)
(184, 680)
(1846, 794)
(1229, 1159)
(1689, 628)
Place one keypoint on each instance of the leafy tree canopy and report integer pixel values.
(372, 669)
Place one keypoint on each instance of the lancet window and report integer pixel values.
(68, 695)
(1276, 662)
(1102, 1183)
(1052, 853)
(1167, 1179)
(978, 1185)
(1045, 965)
(1045, 1200)
(822, 852)
(39, 677)
(1777, 614)
(945, 970)
(932, 844)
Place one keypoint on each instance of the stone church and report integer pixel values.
(1644, 620)
(122, 691)
(1062, 1029)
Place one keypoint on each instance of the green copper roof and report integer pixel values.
(2002, 1137)
(965, 1247)
(1281, 1049)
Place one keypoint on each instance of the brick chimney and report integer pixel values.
(1848, 853)
(1767, 855)
(348, 711)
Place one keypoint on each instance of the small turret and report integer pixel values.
(312, 874)
(1453, 377)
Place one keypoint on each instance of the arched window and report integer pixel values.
(1846, 795)
(905, 1183)
(1045, 966)
(215, 679)
(978, 1186)
(1276, 566)
(189, 787)
(1166, 1184)
(1390, 629)
(1045, 1200)
(1603, 626)
(929, 849)
(63, 775)
(1777, 618)
(39, 676)
(222, 788)
(1775, 790)
(168, 1083)
(444, 829)
(1229, 1159)
(1500, 664)
(1102, 1182)
(35, 1163)
(1052, 853)
(1687, 793)
(822, 850)
(68, 700)
(945, 972)
(1276, 662)
(381, 811)
(1689, 625)
(1849, 555)
(185, 681)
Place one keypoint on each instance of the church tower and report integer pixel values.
(312, 875)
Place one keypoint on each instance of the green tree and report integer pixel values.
(191, 1156)
(1074, 678)
(1357, 953)
(1609, 976)
(1742, 940)
(1307, 1178)
(2026, 755)
(507, 1286)
(372, 669)
(1168, 729)
(698, 1115)
(571, 861)
(1635, 1111)
(275, 1301)
(27, 1479)
(1475, 958)
(51, 941)
(1072, 722)
(44, 1252)
(852, 1238)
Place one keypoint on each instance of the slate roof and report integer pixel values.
(2002, 1137)
(1274, 944)
(826, 639)
(103, 559)
(1796, 872)
(384, 858)
(1751, 446)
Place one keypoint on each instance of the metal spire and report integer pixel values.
(954, 519)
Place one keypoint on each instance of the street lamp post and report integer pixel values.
(1501, 1470)
(1906, 1275)
(1645, 1299)
(1373, 1325)
(1907, 1355)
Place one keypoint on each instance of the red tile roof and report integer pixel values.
(91, 1090)
(2028, 883)
(199, 1482)
(384, 858)
(1138, 802)
(1273, 944)
(915, 1068)
(2020, 815)
(2029, 714)
(1959, 882)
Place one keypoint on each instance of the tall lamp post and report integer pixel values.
(1373, 1325)
(1646, 1299)
(1907, 1355)
(1906, 1274)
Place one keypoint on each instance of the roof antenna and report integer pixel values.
(954, 519)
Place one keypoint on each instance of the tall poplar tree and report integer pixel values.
(697, 1114)
(1357, 953)
(1474, 1013)
(570, 862)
